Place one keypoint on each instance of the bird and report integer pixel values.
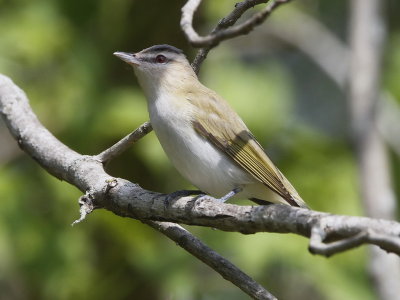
(203, 137)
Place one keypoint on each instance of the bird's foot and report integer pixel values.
(223, 198)
(178, 194)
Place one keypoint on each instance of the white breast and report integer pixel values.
(194, 157)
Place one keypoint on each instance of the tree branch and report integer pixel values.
(193, 245)
(229, 20)
(125, 143)
(125, 198)
(224, 29)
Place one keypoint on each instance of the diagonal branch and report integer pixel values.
(227, 270)
(124, 143)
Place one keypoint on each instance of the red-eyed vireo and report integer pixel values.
(206, 141)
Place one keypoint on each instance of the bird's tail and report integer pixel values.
(291, 196)
(298, 201)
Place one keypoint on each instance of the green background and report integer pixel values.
(60, 53)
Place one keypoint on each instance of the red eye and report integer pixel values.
(161, 59)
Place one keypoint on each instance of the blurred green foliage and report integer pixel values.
(60, 53)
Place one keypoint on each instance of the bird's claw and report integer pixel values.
(223, 198)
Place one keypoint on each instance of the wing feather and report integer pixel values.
(226, 130)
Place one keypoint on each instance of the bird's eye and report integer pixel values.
(161, 59)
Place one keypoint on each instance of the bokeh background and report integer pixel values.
(60, 53)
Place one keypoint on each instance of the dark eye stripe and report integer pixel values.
(152, 59)
(147, 58)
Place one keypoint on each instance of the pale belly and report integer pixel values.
(198, 160)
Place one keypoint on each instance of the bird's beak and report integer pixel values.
(129, 58)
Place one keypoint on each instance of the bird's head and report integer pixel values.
(158, 66)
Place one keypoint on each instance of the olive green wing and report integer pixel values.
(228, 132)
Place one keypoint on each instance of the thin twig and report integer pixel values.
(197, 248)
(224, 29)
(229, 20)
(317, 246)
(124, 143)
(200, 41)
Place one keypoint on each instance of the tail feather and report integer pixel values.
(298, 201)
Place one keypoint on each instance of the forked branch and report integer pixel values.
(225, 28)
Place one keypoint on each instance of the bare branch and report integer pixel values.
(220, 35)
(317, 246)
(229, 20)
(128, 199)
(225, 29)
(101, 190)
(193, 245)
(363, 237)
(124, 143)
